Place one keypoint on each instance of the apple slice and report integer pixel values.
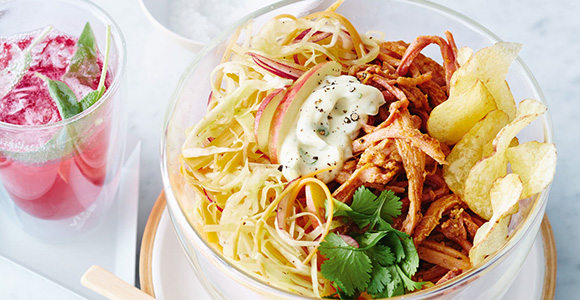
(264, 117)
(287, 111)
(284, 69)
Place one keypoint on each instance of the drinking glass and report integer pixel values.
(61, 177)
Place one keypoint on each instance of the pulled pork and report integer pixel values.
(395, 152)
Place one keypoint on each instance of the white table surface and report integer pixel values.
(548, 30)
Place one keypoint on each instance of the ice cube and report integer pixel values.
(29, 103)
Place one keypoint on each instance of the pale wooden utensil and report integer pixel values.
(111, 286)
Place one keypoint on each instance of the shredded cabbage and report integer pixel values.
(239, 190)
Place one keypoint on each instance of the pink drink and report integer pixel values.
(68, 182)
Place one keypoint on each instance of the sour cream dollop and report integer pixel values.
(328, 122)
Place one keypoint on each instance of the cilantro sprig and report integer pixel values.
(386, 258)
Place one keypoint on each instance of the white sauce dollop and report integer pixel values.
(328, 122)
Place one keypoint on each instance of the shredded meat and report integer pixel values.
(445, 256)
(450, 275)
(346, 171)
(413, 136)
(414, 163)
(470, 224)
(394, 151)
(411, 144)
(435, 93)
(392, 52)
(416, 97)
(454, 230)
(421, 42)
(433, 216)
(367, 173)
(394, 49)
(451, 42)
(432, 274)
(414, 81)
(435, 187)
(382, 187)
(380, 154)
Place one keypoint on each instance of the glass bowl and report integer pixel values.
(399, 20)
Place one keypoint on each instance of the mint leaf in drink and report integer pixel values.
(63, 96)
(81, 68)
(95, 95)
(84, 66)
(91, 98)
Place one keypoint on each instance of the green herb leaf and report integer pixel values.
(83, 60)
(410, 285)
(391, 206)
(347, 266)
(369, 239)
(340, 209)
(91, 98)
(386, 258)
(339, 292)
(84, 65)
(64, 97)
(411, 261)
(363, 201)
(380, 277)
(395, 287)
(370, 210)
(381, 254)
(394, 243)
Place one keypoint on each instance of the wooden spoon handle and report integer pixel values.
(111, 286)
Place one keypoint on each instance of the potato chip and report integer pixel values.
(468, 151)
(488, 148)
(485, 172)
(491, 238)
(528, 111)
(463, 55)
(490, 65)
(452, 119)
(479, 181)
(535, 163)
(504, 194)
